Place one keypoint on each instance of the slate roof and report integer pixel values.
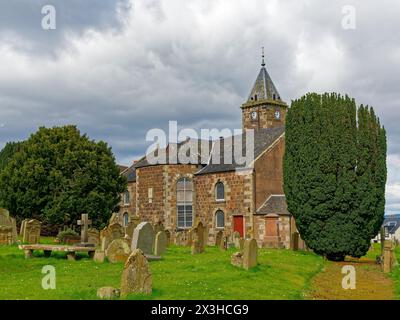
(130, 173)
(263, 139)
(263, 88)
(274, 204)
(184, 147)
(392, 222)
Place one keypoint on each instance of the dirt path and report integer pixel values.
(371, 282)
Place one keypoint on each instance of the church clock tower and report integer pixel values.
(264, 107)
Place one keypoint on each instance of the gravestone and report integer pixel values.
(130, 228)
(218, 238)
(160, 245)
(197, 238)
(143, 238)
(294, 243)
(94, 237)
(99, 256)
(250, 252)
(84, 223)
(21, 229)
(110, 233)
(118, 251)
(158, 227)
(223, 245)
(31, 231)
(236, 239)
(136, 276)
(168, 234)
(8, 228)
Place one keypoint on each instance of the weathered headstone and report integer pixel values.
(218, 238)
(160, 245)
(8, 228)
(118, 251)
(237, 259)
(236, 239)
(110, 233)
(294, 243)
(136, 276)
(198, 238)
(223, 245)
(130, 228)
(250, 252)
(99, 256)
(168, 234)
(31, 232)
(94, 236)
(84, 223)
(158, 227)
(21, 229)
(143, 238)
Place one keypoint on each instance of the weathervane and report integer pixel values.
(263, 60)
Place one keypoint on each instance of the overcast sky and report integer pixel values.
(117, 68)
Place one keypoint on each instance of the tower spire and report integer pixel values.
(263, 58)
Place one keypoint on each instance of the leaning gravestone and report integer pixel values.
(250, 252)
(136, 276)
(198, 238)
(31, 232)
(8, 228)
(118, 251)
(143, 238)
(160, 245)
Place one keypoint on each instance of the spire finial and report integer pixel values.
(263, 56)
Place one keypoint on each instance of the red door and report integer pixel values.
(238, 225)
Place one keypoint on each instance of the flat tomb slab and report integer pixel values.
(46, 247)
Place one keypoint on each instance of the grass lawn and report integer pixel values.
(281, 274)
(395, 274)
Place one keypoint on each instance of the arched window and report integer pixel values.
(219, 191)
(126, 219)
(184, 202)
(219, 219)
(127, 198)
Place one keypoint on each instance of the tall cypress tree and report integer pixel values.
(335, 173)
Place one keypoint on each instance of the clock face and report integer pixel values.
(277, 115)
(254, 115)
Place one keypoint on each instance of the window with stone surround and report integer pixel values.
(184, 199)
(126, 219)
(127, 198)
(219, 219)
(220, 191)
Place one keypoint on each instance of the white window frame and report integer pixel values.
(127, 203)
(187, 223)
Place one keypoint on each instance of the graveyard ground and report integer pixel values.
(281, 274)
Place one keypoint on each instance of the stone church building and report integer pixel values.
(250, 201)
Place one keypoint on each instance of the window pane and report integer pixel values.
(220, 192)
(220, 219)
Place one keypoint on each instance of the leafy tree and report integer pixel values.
(59, 174)
(335, 173)
(7, 153)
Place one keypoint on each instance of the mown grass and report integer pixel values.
(395, 274)
(281, 274)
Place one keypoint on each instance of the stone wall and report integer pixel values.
(269, 172)
(266, 115)
(238, 200)
(131, 207)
